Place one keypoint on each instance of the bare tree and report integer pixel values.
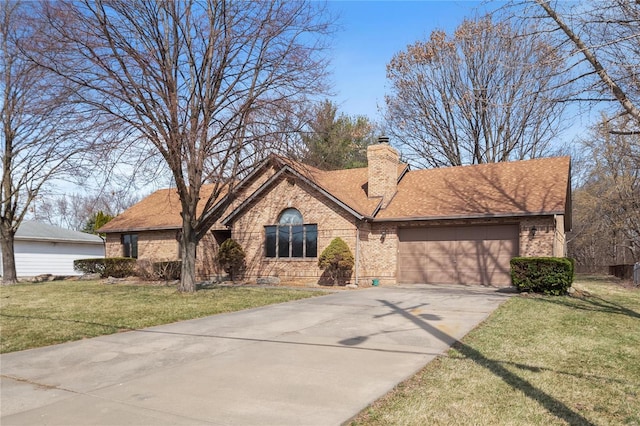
(601, 42)
(607, 204)
(191, 81)
(72, 211)
(485, 94)
(42, 133)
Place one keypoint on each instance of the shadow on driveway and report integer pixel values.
(554, 406)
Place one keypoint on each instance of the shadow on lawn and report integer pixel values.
(591, 303)
(591, 377)
(34, 317)
(554, 406)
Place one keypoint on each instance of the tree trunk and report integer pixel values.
(188, 244)
(9, 275)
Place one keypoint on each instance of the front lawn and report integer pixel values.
(33, 315)
(537, 360)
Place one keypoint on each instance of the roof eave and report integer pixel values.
(138, 229)
(223, 202)
(470, 216)
(404, 171)
(327, 194)
(57, 240)
(286, 168)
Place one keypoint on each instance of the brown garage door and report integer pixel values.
(457, 254)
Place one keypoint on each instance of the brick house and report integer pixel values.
(449, 225)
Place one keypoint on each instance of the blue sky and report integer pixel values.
(371, 32)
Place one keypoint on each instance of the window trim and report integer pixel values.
(273, 238)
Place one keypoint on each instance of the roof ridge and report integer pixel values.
(495, 164)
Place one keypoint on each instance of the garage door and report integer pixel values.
(457, 254)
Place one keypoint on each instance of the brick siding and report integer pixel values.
(248, 230)
(542, 243)
(152, 245)
(382, 172)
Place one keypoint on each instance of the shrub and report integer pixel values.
(149, 270)
(548, 275)
(168, 270)
(337, 261)
(231, 258)
(144, 270)
(117, 267)
(573, 267)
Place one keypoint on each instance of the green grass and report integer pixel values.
(34, 315)
(548, 360)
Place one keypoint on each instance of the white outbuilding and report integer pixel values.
(45, 249)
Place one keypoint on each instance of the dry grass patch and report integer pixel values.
(34, 315)
(536, 360)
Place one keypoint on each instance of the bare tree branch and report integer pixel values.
(192, 79)
(588, 53)
(485, 94)
(45, 136)
(607, 204)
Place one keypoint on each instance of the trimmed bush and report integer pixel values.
(547, 275)
(573, 267)
(117, 267)
(231, 258)
(337, 261)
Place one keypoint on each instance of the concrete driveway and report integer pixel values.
(311, 362)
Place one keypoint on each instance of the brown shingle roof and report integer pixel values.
(517, 188)
(350, 186)
(498, 189)
(160, 210)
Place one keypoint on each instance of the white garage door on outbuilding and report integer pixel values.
(457, 254)
(45, 249)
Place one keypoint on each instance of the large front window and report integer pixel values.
(291, 237)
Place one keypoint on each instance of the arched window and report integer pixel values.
(290, 217)
(291, 237)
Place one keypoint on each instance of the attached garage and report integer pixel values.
(457, 254)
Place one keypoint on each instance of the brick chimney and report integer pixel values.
(383, 170)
